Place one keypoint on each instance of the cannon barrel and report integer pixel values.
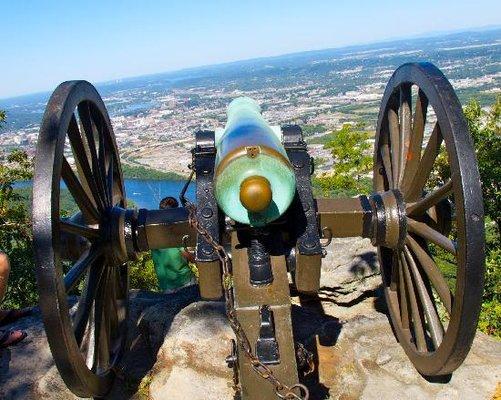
(254, 180)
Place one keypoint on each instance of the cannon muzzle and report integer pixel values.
(254, 179)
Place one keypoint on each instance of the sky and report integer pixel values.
(43, 43)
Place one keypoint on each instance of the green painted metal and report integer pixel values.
(247, 128)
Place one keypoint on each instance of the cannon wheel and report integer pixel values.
(434, 318)
(76, 150)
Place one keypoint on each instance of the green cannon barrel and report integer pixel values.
(254, 179)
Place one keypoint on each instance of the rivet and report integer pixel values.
(309, 244)
(207, 250)
(207, 212)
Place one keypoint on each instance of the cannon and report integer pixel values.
(255, 224)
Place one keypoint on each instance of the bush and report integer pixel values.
(492, 283)
(490, 318)
(16, 236)
(15, 233)
(350, 150)
(142, 273)
(485, 127)
(340, 185)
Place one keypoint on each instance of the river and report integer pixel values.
(147, 193)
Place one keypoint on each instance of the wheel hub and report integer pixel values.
(389, 220)
(119, 233)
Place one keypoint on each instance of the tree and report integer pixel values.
(15, 231)
(351, 151)
(485, 127)
(16, 238)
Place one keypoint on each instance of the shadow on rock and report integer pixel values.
(150, 319)
(365, 264)
(313, 327)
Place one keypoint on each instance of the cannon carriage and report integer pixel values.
(255, 224)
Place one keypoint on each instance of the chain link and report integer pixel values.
(281, 390)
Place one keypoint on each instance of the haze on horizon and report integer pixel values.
(46, 43)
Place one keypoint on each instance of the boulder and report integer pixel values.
(357, 359)
(178, 345)
(349, 270)
(191, 362)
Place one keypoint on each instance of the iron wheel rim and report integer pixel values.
(69, 100)
(464, 186)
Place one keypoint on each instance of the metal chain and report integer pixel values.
(281, 390)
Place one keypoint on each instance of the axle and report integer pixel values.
(379, 217)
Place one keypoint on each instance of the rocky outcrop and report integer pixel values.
(191, 360)
(357, 359)
(23, 365)
(370, 364)
(350, 270)
(178, 345)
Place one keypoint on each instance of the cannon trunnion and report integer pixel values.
(256, 227)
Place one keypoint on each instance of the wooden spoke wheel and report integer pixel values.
(433, 280)
(77, 167)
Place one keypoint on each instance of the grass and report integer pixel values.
(324, 139)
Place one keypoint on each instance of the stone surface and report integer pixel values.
(178, 345)
(191, 362)
(357, 359)
(350, 270)
(21, 366)
(371, 365)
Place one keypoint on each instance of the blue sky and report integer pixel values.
(46, 42)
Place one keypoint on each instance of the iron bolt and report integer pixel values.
(207, 212)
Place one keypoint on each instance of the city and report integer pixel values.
(154, 117)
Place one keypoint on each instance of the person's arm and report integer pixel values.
(4, 274)
(187, 255)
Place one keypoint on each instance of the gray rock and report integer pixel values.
(23, 365)
(51, 386)
(191, 362)
(371, 365)
(359, 358)
(27, 370)
(178, 346)
(349, 271)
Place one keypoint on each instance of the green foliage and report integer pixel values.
(15, 233)
(141, 172)
(324, 139)
(340, 185)
(351, 152)
(16, 237)
(67, 204)
(490, 318)
(142, 273)
(485, 127)
(492, 283)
